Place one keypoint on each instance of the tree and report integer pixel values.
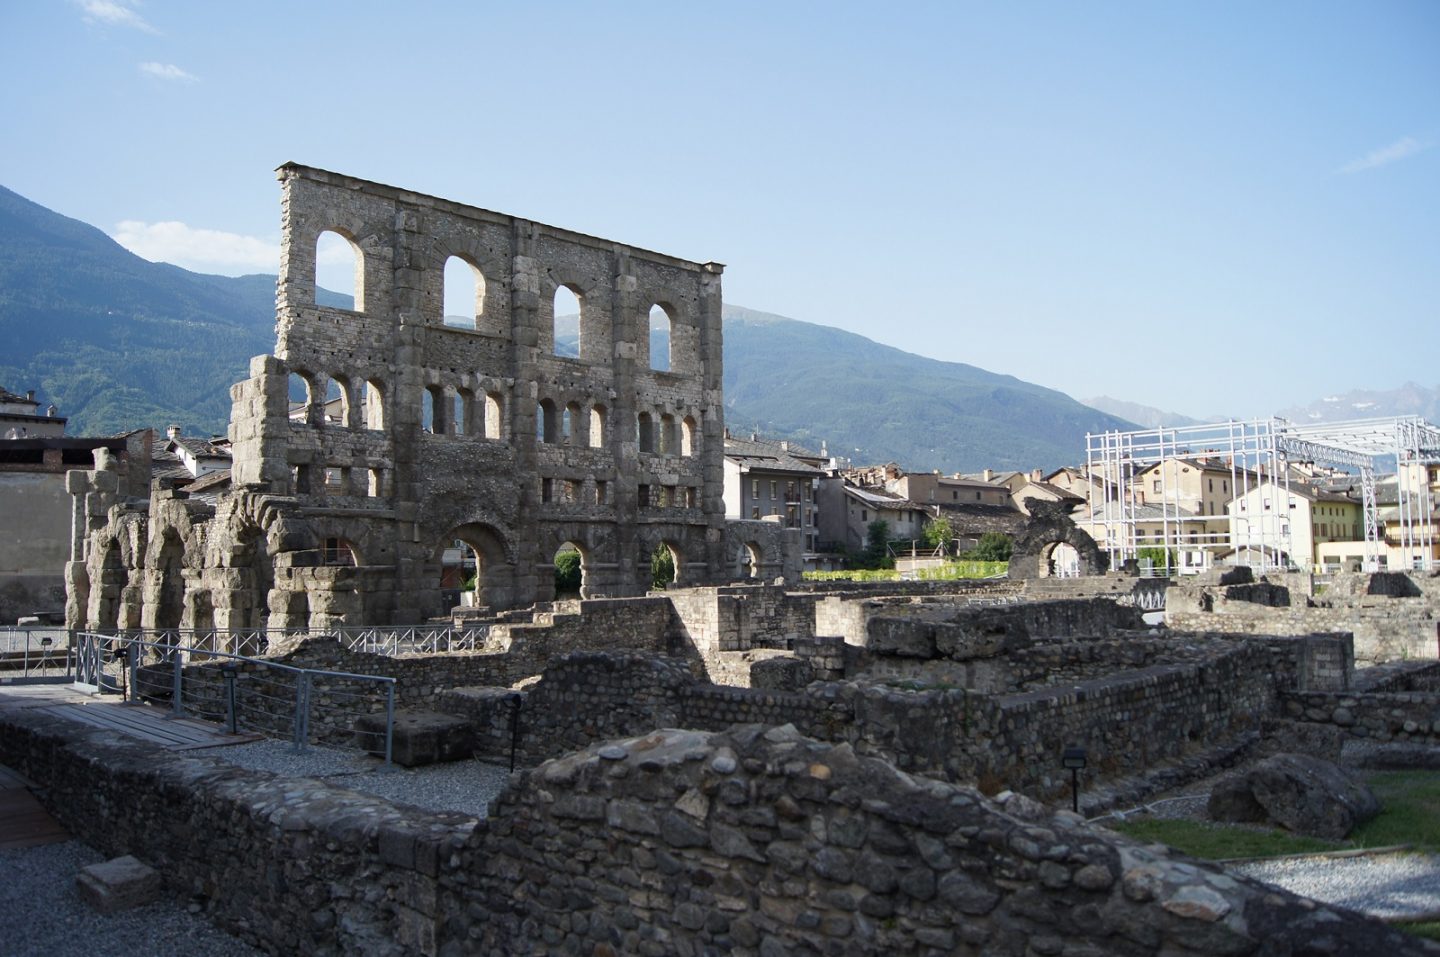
(940, 532)
(1162, 560)
(877, 538)
(662, 567)
(992, 547)
(567, 572)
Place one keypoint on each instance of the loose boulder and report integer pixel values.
(1300, 793)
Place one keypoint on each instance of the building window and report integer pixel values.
(774, 489)
(754, 488)
(755, 512)
(601, 488)
(864, 516)
(642, 496)
(547, 490)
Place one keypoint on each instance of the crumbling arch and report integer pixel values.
(1049, 525)
(303, 397)
(168, 577)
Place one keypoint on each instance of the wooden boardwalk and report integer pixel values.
(23, 822)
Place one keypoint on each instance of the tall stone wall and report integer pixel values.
(677, 842)
(414, 433)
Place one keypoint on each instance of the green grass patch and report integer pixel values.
(950, 571)
(1213, 841)
(1410, 814)
(1427, 929)
(1410, 802)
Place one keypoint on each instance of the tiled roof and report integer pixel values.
(760, 454)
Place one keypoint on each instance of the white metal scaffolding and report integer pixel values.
(1125, 518)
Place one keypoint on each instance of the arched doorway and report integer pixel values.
(666, 564)
(473, 558)
(570, 570)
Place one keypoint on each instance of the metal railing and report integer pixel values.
(245, 693)
(388, 640)
(35, 653)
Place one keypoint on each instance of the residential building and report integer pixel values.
(774, 480)
(847, 509)
(20, 417)
(1290, 525)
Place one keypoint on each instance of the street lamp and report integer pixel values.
(1074, 759)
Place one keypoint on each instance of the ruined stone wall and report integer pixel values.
(1128, 720)
(1386, 630)
(1381, 716)
(746, 843)
(440, 434)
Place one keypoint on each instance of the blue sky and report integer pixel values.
(1207, 207)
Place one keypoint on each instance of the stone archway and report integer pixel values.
(1050, 525)
(494, 568)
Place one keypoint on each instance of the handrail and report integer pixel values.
(220, 697)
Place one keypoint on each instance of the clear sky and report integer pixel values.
(1208, 207)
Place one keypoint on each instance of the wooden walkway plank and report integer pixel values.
(25, 823)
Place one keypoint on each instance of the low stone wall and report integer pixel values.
(1385, 629)
(291, 864)
(768, 843)
(678, 842)
(1384, 716)
(1127, 720)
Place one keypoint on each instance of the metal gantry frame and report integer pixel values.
(1260, 451)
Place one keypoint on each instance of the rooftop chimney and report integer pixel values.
(173, 432)
(30, 394)
(1037, 475)
(51, 410)
(988, 475)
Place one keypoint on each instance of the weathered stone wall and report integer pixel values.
(1128, 720)
(290, 864)
(752, 843)
(437, 434)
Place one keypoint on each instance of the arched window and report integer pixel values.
(571, 424)
(597, 427)
(546, 425)
(337, 402)
(372, 405)
(433, 411)
(568, 313)
(302, 397)
(464, 406)
(645, 432)
(687, 436)
(340, 271)
(661, 332)
(494, 415)
(464, 295)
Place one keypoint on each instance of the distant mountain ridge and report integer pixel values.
(118, 342)
(1143, 415)
(1409, 399)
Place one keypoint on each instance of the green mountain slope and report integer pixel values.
(873, 403)
(118, 342)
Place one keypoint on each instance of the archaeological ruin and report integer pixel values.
(378, 437)
(743, 762)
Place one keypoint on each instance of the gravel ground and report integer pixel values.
(465, 786)
(1387, 886)
(41, 914)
